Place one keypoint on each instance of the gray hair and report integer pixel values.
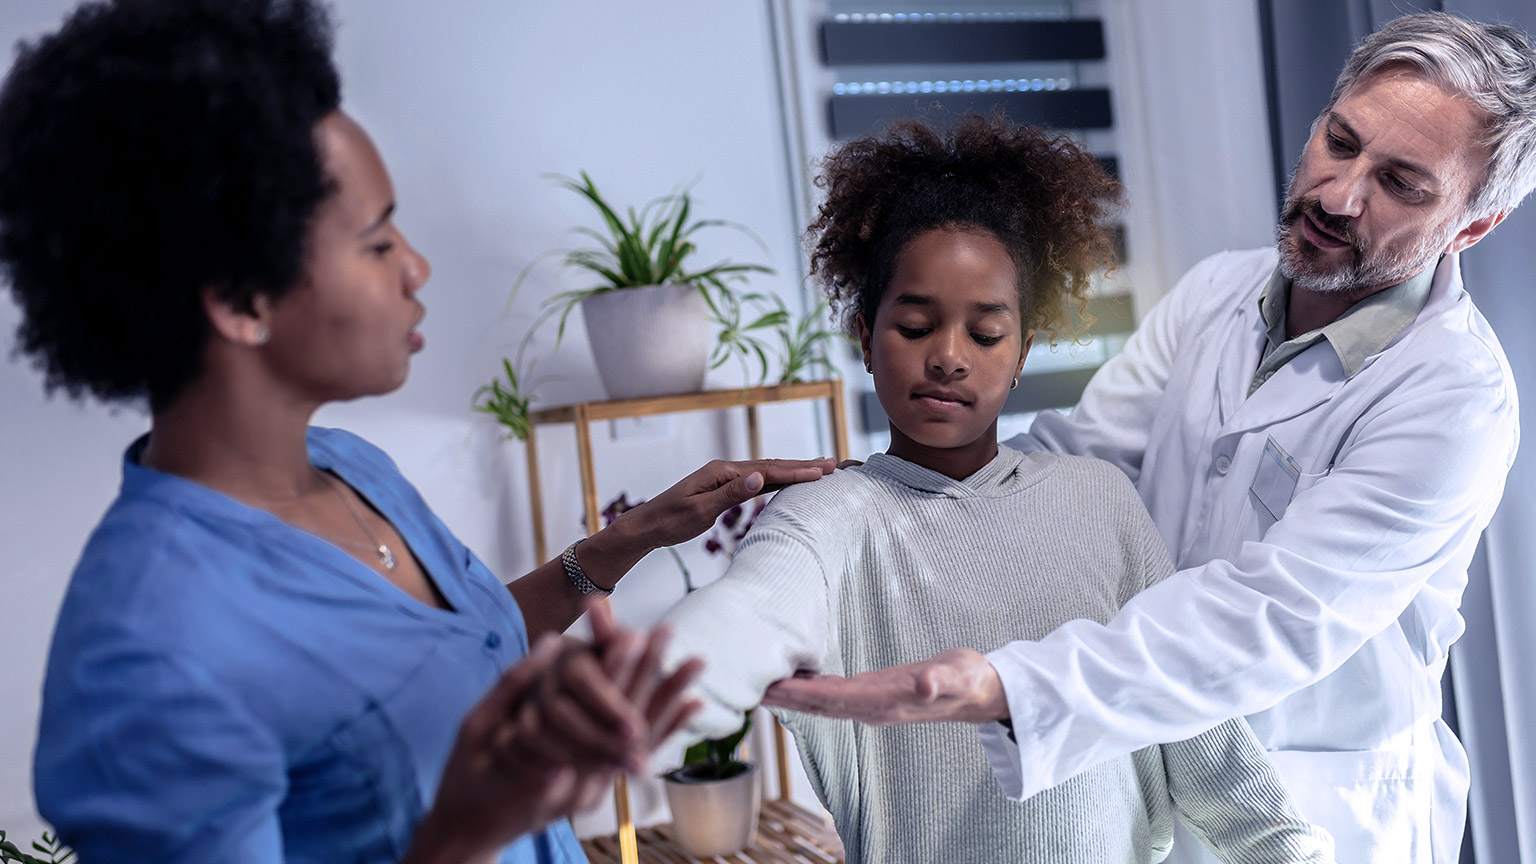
(1491, 65)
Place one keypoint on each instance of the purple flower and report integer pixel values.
(730, 517)
(616, 508)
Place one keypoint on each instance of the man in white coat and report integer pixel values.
(1321, 432)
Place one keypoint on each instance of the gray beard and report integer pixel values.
(1363, 273)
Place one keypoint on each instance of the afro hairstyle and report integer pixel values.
(151, 150)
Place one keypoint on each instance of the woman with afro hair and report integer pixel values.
(271, 649)
(945, 251)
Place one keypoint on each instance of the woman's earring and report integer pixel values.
(262, 334)
(1015, 384)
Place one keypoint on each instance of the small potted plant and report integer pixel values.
(649, 314)
(714, 797)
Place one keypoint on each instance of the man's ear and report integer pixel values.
(864, 339)
(248, 327)
(1476, 230)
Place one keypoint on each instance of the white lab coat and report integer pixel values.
(1328, 627)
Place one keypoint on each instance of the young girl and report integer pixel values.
(945, 252)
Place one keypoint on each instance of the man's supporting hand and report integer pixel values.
(958, 685)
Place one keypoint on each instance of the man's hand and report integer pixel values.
(692, 505)
(958, 685)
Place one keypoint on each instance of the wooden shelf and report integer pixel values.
(704, 400)
(786, 834)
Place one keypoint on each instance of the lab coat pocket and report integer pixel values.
(1374, 802)
(1273, 485)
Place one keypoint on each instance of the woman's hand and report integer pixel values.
(958, 685)
(679, 514)
(692, 505)
(550, 737)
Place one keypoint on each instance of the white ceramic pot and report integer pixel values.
(649, 341)
(714, 817)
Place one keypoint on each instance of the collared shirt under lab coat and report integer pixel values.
(1330, 626)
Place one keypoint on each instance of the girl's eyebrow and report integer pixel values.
(992, 308)
(979, 308)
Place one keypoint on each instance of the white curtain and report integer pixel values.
(1492, 665)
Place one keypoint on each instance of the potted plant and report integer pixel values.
(648, 315)
(714, 797)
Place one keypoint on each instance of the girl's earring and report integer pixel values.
(262, 334)
(1014, 385)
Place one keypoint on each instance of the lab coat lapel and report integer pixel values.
(1310, 379)
(1316, 375)
(1239, 357)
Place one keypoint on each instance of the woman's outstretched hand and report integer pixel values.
(551, 736)
(692, 505)
(677, 515)
(958, 685)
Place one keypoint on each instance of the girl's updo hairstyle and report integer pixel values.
(1041, 195)
(151, 149)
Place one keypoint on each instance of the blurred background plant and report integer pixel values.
(732, 527)
(714, 758)
(50, 846)
(803, 345)
(508, 401)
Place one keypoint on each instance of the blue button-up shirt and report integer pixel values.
(224, 687)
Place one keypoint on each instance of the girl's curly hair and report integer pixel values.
(1041, 195)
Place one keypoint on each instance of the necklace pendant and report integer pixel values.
(386, 557)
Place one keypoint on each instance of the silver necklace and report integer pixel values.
(386, 557)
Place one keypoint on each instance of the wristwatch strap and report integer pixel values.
(577, 576)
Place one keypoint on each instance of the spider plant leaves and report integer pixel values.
(652, 246)
(802, 347)
(507, 402)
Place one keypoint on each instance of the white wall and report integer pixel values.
(1190, 113)
(470, 103)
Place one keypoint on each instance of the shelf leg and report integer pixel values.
(754, 434)
(629, 849)
(536, 499)
(839, 422)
